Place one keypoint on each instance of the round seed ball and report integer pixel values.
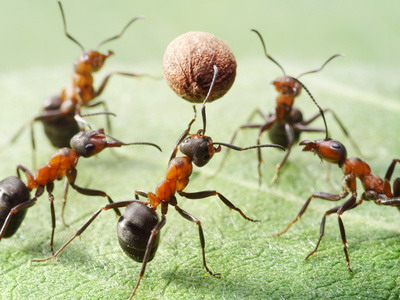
(188, 66)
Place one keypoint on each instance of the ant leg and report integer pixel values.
(390, 170)
(390, 202)
(29, 176)
(152, 200)
(290, 136)
(394, 201)
(141, 193)
(86, 225)
(89, 192)
(66, 185)
(16, 209)
(322, 230)
(396, 187)
(263, 128)
(205, 194)
(154, 232)
(386, 183)
(323, 196)
(193, 219)
(50, 187)
(33, 143)
(20, 131)
(107, 116)
(259, 112)
(349, 204)
(56, 113)
(107, 78)
(304, 128)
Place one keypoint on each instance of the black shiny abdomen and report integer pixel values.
(59, 130)
(134, 229)
(277, 133)
(12, 192)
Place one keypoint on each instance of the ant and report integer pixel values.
(59, 115)
(285, 123)
(375, 188)
(139, 227)
(61, 164)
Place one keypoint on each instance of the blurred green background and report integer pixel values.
(363, 88)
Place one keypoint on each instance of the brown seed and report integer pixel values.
(188, 66)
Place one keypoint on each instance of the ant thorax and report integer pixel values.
(288, 90)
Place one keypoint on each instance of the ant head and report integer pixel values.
(89, 143)
(327, 149)
(91, 61)
(287, 86)
(199, 148)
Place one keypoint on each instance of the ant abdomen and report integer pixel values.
(59, 130)
(277, 133)
(12, 193)
(134, 229)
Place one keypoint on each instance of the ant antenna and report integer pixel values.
(137, 143)
(65, 28)
(251, 147)
(265, 51)
(121, 33)
(315, 102)
(203, 109)
(317, 70)
(99, 113)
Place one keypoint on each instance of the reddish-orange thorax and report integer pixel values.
(82, 81)
(362, 171)
(176, 179)
(58, 166)
(82, 88)
(288, 90)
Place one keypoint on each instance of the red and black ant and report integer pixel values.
(62, 164)
(285, 123)
(375, 188)
(139, 227)
(60, 112)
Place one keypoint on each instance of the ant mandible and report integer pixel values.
(59, 113)
(139, 227)
(375, 188)
(285, 123)
(61, 164)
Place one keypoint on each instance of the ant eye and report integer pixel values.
(286, 89)
(187, 140)
(89, 147)
(207, 157)
(336, 146)
(95, 61)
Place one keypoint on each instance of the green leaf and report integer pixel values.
(362, 88)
